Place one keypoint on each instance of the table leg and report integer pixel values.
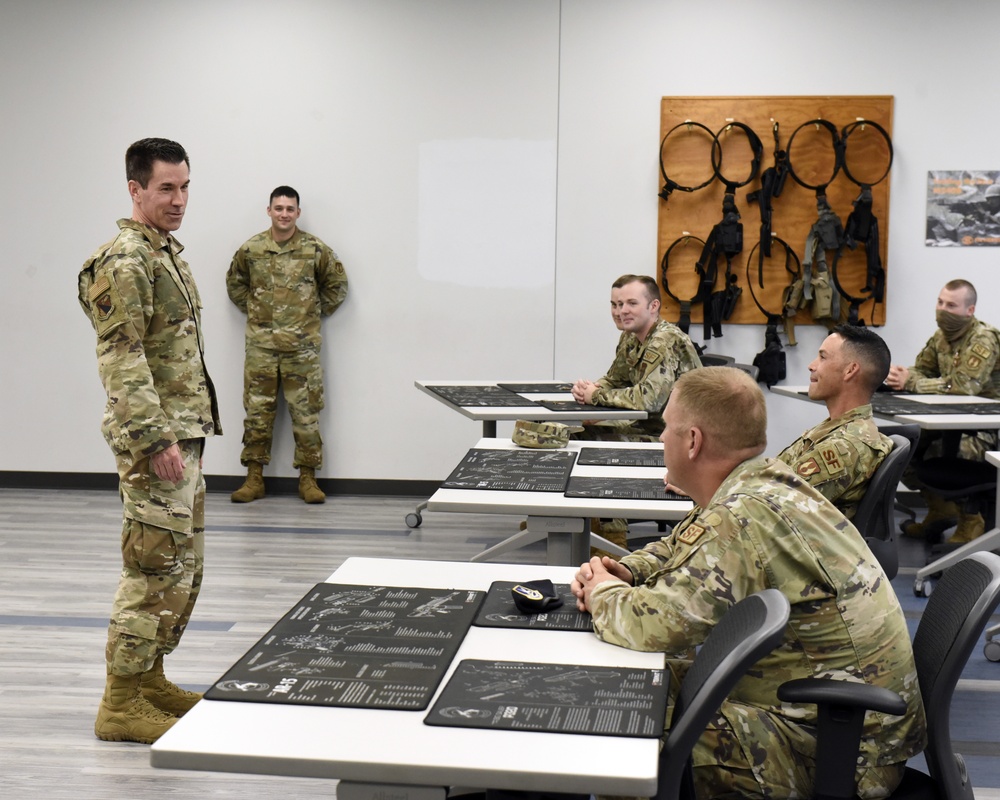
(361, 790)
(489, 428)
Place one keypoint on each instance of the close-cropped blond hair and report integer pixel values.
(726, 404)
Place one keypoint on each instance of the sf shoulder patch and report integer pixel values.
(832, 459)
(691, 534)
(980, 350)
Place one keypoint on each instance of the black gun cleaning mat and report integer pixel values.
(553, 698)
(357, 647)
(498, 611)
(620, 488)
(620, 457)
(536, 388)
(513, 470)
(891, 404)
(486, 396)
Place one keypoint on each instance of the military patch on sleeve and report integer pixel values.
(691, 534)
(980, 350)
(832, 459)
(807, 468)
(105, 305)
(973, 362)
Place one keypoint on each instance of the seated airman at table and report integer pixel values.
(962, 357)
(839, 456)
(757, 525)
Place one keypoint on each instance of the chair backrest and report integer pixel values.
(953, 620)
(875, 517)
(716, 360)
(749, 630)
(749, 369)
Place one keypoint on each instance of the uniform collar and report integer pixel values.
(152, 235)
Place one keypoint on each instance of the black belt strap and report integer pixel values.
(670, 185)
(699, 297)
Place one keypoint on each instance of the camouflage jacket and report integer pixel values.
(285, 288)
(643, 373)
(970, 365)
(142, 300)
(839, 456)
(766, 528)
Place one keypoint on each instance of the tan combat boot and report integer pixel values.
(165, 695)
(253, 487)
(308, 490)
(938, 510)
(126, 716)
(970, 526)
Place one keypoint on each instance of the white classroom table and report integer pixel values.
(489, 415)
(563, 521)
(930, 422)
(378, 753)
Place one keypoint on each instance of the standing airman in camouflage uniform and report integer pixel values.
(759, 526)
(142, 300)
(839, 456)
(651, 354)
(962, 357)
(284, 280)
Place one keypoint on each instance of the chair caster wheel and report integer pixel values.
(414, 520)
(922, 587)
(992, 651)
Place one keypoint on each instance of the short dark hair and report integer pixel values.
(970, 291)
(284, 191)
(622, 280)
(650, 284)
(870, 351)
(140, 156)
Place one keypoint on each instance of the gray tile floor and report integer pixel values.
(60, 555)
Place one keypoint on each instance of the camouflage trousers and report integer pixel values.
(299, 373)
(163, 555)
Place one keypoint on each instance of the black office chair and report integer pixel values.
(911, 432)
(949, 629)
(716, 360)
(749, 630)
(875, 516)
(972, 484)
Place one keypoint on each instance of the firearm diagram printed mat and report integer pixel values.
(498, 611)
(621, 488)
(357, 647)
(513, 470)
(536, 388)
(553, 698)
(480, 396)
(620, 457)
(893, 405)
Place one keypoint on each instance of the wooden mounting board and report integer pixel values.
(688, 161)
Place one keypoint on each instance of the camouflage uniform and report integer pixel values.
(971, 366)
(284, 289)
(766, 528)
(839, 456)
(640, 378)
(142, 300)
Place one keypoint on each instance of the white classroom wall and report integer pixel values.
(484, 168)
